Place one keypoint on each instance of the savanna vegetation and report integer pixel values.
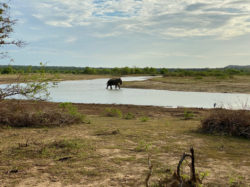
(110, 145)
(227, 79)
(228, 122)
(198, 73)
(6, 29)
(222, 84)
(36, 85)
(59, 144)
(201, 80)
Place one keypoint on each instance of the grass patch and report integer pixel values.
(188, 115)
(198, 77)
(237, 84)
(18, 115)
(68, 108)
(144, 119)
(58, 150)
(129, 116)
(90, 154)
(105, 132)
(121, 160)
(113, 112)
(90, 172)
(235, 181)
(143, 146)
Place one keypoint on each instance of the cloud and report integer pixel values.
(59, 23)
(173, 54)
(71, 39)
(161, 18)
(196, 6)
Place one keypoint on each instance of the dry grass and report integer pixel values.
(228, 122)
(17, 115)
(237, 84)
(58, 77)
(113, 151)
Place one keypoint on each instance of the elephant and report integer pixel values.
(116, 82)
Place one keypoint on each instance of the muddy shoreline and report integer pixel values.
(237, 84)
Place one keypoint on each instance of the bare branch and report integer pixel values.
(180, 163)
(150, 167)
(6, 28)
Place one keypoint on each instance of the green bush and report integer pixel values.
(143, 146)
(113, 112)
(198, 77)
(144, 119)
(129, 116)
(71, 110)
(188, 114)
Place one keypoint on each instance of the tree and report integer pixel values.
(88, 70)
(33, 85)
(6, 28)
(125, 71)
(28, 85)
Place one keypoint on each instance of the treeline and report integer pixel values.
(125, 71)
(77, 70)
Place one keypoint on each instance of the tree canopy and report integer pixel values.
(6, 27)
(35, 86)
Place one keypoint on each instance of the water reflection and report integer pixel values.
(94, 91)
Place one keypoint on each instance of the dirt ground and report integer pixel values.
(236, 84)
(113, 151)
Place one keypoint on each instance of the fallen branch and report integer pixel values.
(177, 179)
(150, 167)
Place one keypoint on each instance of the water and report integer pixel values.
(94, 91)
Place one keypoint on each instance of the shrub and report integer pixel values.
(18, 115)
(144, 119)
(228, 122)
(198, 77)
(71, 110)
(129, 116)
(188, 114)
(143, 146)
(113, 112)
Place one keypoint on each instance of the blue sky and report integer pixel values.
(118, 33)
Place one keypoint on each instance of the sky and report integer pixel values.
(119, 33)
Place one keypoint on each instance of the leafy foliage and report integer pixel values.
(72, 110)
(220, 73)
(6, 28)
(33, 86)
(143, 146)
(144, 119)
(188, 114)
(113, 112)
(129, 116)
